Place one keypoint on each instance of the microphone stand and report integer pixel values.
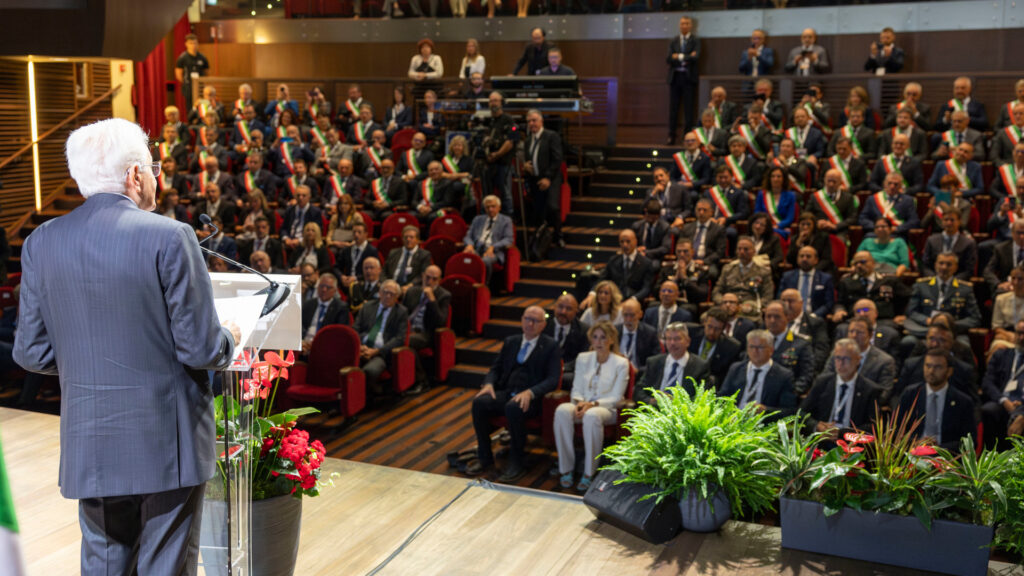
(276, 292)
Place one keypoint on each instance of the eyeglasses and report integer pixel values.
(155, 167)
(532, 320)
(862, 310)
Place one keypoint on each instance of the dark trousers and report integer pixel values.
(547, 204)
(498, 181)
(995, 420)
(485, 408)
(142, 534)
(681, 91)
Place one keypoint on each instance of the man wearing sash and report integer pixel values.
(916, 140)
(283, 155)
(173, 117)
(729, 203)
(205, 106)
(169, 179)
(833, 206)
(757, 135)
(967, 172)
(723, 111)
(745, 169)
(212, 174)
(796, 168)
(348, 110)
(808, 58)
(714, 141)
(241, 135)
(327, 157)
(817, 109)
(315, 104)
(950, 241)
(962, 100)
(434, 194)
(386, 193)
(360, 132)
(1005, 182)
(171, 146)
(862, 138)
(853, 170)
(372, 157)
(342, 181)
(810, 142)
(275, 107)
(920, 112)
(302, 178)
(708, 237)
(1006, 110)
(899, 162)
(942, 293)
(771, 109)
(1008, 137)
(213, 149)
(316, 138)
(412, 164)
(893, 205)
(244, 99)
(1003, 389)
(673, 199)
(256, 177)
(490, 235)
(691, 168)
(751, 282)
(943, 144)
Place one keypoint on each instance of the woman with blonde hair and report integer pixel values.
(256, 206)
(858, 99)
(607, 305)
(339, 230)
(312, 251)
(473, 61)
(598, 386)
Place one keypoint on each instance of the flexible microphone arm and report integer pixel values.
(276, 293)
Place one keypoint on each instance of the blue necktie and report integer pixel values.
(841, 411)
(805, 290)
(320, 316)
(521, 358)
(629, 347)
(671, 376)
(400, 273)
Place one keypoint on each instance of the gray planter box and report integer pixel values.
(949, 548)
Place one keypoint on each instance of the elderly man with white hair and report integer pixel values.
(132, 345)
(490, 234)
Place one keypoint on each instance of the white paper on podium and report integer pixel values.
(282, 328)
(244, 311)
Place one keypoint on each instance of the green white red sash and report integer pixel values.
(249, 180)
(312, 109)
(165, 150)
(956, 104)
(796, 184)
(244, 130)
(410, 162)
(380, 194)
(164, 184)
(352, 108)
(286, 157)
(795, 135)
(889, 163)
(750, 136)
(451, 165)
(281, 132)
(837, 163)
(336, 186)
(705, 141)
(814, 119)
(240, 105)
(203, 137)
(1008, 173)
(427, 191)
(720, 199)
(718, 116)
(949, 139)
(902, 104)
(771, 204)
(361, 130)
(376, 157)
(203, 109)
(738, 175)
(319, 135)
(768, 122)
(685, 168)
(203, 155)
(280, 105)
(1013, 133)
(850, 132)
(953, 167)
(885, 209)
(1009, 109)
(203, 181)
(828, 206)
(291, 184)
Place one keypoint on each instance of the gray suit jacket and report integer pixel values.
(502, 235)
(118, 303)
(878, 366)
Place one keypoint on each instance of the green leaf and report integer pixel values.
(923, 514)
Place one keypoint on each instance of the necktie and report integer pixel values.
(356, 252)
(947, 243)
(699, 240)
(629, 348)
(320, 316)
(259, 244)
(371, 337)
(417, 316)
(625, 265)
(523, 352)
(485, 239)
(959, 138)
(705, 349)
(943, 290)
(931, 419)
(534, 146)
(649, 236)
(841, 409)
(300, 215)
(664, 321)
(751, 393)
(400, 272)
(558, 334)
(671, 376)
(805, 289)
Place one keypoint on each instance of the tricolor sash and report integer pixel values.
(410, 162)
(203, 137)
(720, 199)
(949, 139)
(203, 181)
(794, 135)
(451, 165)
(291, 184)
(203, 109)
(336, 186)
(1008, 173)
(828, 206)
(240, 105)
(889, 163)
(814, 119)
(768, 123)
(352, 108)
(249, 180)
(281, 132)
(279, 106)
(1009, 109)
(685, 168)
(360, 131)
(738, 175)
(838, 164)
(718, 116)
(375, 157)
(319, 135)
(427, 191)
(380, 194)
(850, 132)
(749, 135)
(771, 204)
(165, 150)
(796, 184)
(953, 167)
(286, 157)
(705, 141)
(955, 104)
(203, 155)
(312, 110)
(244, 130)
(885, 209)
(1013, 133)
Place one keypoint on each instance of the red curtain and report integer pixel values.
(181, 29)
(151, 82)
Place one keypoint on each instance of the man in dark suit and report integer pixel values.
(691, 168)
(297, 216)
(1003, 389)
(874, 363)
(324, 310)
(755, 381)
(860, 138)
(736, 326)
(406, 265)
(219, 243)
(215, 206)
(894, 205)
(920, 112)
(428, 305)
(888, 293)
(745, 169)
(284, 153)
(711, 344)
(792, 350)
(810, 142)
(708, 237)
(693, 280)
(944, 144)
(844, 398)
(962, 100)
(1006, 256)
(917, 140)
(814, 287)
(387, 193)
(757, 59)
(535, 55)
(260, 261)
(490, 235)
(367, 289)
(382, 327)
(434, 195)
(137, 429)
(241, 135)
(808, 325)
(569, 333)
(942, 293)
(898, 162)
(853, 172)
(171, 146)
(360, 132)
(637, 341)
(964, 377)
(683, 56)
(525, 370)
(255, 177)
(947, 413)
(171, 180)
(1007, 139)
(543, 168)
(350, 260)
(653, 233)
(723, 110)
(630, 270)
(885, 54)
(967, 172)
(677, 367)
(729, 202)
(772, 111)
(884, 335)
(668, 310)
(412, 164)
(213, 148)
(950, 240)
(262, 242)
(674, 200)
(343, 181)
(212, 175)
(833, 206)
(713, 136)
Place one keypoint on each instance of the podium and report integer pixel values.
(225, 538)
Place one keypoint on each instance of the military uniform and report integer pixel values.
(753, 286)
(796, 353)
(925, 299)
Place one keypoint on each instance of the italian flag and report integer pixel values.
(10, 550)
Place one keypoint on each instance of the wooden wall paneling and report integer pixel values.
(283, 61)
(229, 59)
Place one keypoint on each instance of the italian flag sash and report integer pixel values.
(203, 181)
(1009, 108)
(772, 205)
(838, 164)
(814, 119)
(203, 109)
(768, 123)
(718, 116)
(1008, 173)
(380, 194)
(798, 185)
(427, 191)
(203, 155)
(249, 179)
(165, 150)
(319, 135)
(896, 131)
(885, 209)
(850, 132)
(361, 130)
(685, 168)
(1013, 133)
(203, 137)
(889, 163)
(240, 105)
(291, 184)
(165, 185)
(721, 201)
(794, 135)
(450, 164)
(410, 162)
(280, 105)
(336, 186)
(281, 132)
(286, 157)
(902, 104)
(705, 142)
(827, 206)
(955, 104)
(312, 110)
(352, 108)
(375, 157)
(748, 134)
(953, 167)
(738, 175)
(949, 139)
(244, 130)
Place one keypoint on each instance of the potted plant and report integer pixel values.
(886, 497)
(699, 448)
(283, 465)
(1010, 533)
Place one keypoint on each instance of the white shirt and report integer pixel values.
(754, 389)
(847, 402)
(478, 65)
(379, 341)
(533, 346)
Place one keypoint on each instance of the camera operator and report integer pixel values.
(498, 145)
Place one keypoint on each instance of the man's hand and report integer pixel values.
(429, 293)
(236, 332)
(1017, 426)
(489, 253)
(838, 316)
(486, 389)
(1010, 405)
(826, 225)
(469, 249)
(366, 352)
(642, 250)
(544, 183)
(523, 399)
(751, 52)
(528, 167)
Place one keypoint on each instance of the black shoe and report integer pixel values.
(417, 390)
(477, 467)
(512, 474)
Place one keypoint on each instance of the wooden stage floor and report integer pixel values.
(370, 511)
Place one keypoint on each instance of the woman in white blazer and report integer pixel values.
(598, 387)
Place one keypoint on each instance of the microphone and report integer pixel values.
(276, 293)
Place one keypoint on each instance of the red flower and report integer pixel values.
(923, 450)
(816, 454)
(283, 364)
(859, 438)
(268, 443)
(849, 448)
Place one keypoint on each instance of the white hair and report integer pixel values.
(100, 154)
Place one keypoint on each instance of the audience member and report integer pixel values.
(714, 140)
(750, 282)
(730, 203)
(191, 64)
(896, 205)
(1006, 256)
(629, 270)
(710, 343)
(887, 292)
(944, 145)
(920, 112)
(366, 289)
(382, 328)
(942, 293)
(891, 254)
(398, 116)
(1007, 310)
(406, 265)
(683, 57)
(967, 172)
(171, 146)
(693, 280)
(808, 58)
(950, 241)
(324, 310)
(853, 171)
(815, 287)
(845, 398)
(214, 206)
(168, 206)
(371, 159)
(767, 246)
(667, 311)
(962, 100)
(857, 134)
(722, 110)
(490, 235)
(542, 165)
(671, 197)
(431, 120)
(772, 111)
(654, 234)
(757, 59)
(341, 228)
(874, 363)
(691, 168)
(917, 140)
(434, 195)
(1007, 178)
(339, 184)
(834, 206)
(297, 216)
(745, 170)
(606, 305)
(797, 171)
(1007, 139)
(429, 309)
(638, 341)
(789, 349)
(300, 177)
(756, 133)
(804, 322)
(707, 235)
(570, 334)
(884, 57)
(777, 200)
(947, 414)
(535, 55)
(311, 250)
(760, 381)
(386, 194)
(1003, 386)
